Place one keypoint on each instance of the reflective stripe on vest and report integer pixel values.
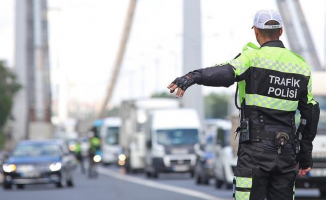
(280, 66)
(271, 103)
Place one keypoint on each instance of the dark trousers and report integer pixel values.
(260, 174)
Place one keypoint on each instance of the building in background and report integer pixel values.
(192, 53)
(32, 108)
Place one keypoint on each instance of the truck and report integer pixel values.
(171, 139)
(109, 134)
(317, 175)
(133, 114)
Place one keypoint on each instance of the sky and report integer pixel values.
(84, 38)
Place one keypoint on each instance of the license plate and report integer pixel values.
(180, 168)
(317, 172)
(32, 174)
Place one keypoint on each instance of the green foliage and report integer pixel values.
(2, 140)
(162, 95)
(114, 112)
(8, 87)
(216, 105)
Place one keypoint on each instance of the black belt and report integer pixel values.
(266, 135)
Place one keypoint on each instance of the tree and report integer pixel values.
(216, 105)
(113, 112)
(9, 86)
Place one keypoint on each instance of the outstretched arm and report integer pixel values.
(223, 75)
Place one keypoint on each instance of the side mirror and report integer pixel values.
(149, 144)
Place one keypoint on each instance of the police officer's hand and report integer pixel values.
(305, 162)
(303, 172)
(181, 83)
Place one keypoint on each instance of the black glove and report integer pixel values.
(304, 160)
(184, 82)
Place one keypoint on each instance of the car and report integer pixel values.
(39, 162)
(225, 161)
(204, 170)
(3, 157)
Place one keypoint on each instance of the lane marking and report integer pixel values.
(153, 184)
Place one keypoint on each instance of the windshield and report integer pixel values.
(112, 136)
(177, 136)
(37, 150)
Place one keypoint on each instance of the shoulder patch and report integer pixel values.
(251, 45)
(297, 55)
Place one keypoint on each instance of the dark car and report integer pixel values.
(204, 163)
(39, 162)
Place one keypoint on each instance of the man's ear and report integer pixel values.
(281, 31)
(256, 31)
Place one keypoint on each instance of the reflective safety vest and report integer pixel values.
(94, 144)
(77, 148)
(272, 81)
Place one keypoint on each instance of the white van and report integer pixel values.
(171, 137)
(110, 140)
(134, 116)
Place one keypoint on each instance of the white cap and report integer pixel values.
(264, 16)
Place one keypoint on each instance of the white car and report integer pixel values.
(224, 161)
(224, 166)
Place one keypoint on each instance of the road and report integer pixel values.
(113, 184)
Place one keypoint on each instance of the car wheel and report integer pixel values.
(70, 183)
(20, 186)
(206, 181)
(218, 183)
(7, 186)
(322, 192)
(155, 175)
(59, 184)
(148, 174)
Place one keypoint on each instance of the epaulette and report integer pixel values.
(297, 55)
(251, 45)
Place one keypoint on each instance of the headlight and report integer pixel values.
(9, 168)
(55, 166)
(72, 147)
(122, 157)
(209, 162)
(97, 158)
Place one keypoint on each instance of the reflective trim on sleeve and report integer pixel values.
(280, 66)
(271, 103)
(309, 95)
(239, 195)
(240, 68)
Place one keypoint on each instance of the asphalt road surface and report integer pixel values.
(113, 184)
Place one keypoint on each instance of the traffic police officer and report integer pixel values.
(273, 83)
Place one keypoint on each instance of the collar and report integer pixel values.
(274, 43)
